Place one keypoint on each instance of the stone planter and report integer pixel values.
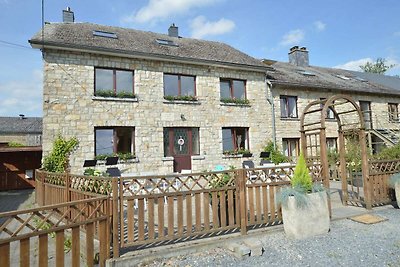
(307, 221)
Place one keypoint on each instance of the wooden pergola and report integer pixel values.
(313, 128)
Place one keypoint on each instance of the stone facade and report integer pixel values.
(289, 128)
(24, 139)
(71, 109)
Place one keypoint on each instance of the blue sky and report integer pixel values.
(338, 33)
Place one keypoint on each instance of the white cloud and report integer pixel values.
(22, 96)
(161, 9)
(355, 64)
(293, 37)
(319, 26)
(201, 27)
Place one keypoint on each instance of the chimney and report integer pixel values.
(68, 15)
(173, 31)
(299, 56)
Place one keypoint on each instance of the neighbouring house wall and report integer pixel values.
(25, 139)
(289, 128)
(71, 109)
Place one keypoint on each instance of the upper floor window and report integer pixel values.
(235, 139)
(329, 111)
(393, 111)
(179, 86)
(288, 106)
(114, 140)
(113, 83)
(233, 89)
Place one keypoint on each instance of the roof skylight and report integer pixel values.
(105, 34)
(166, 42)
(306, 73)
(343, 77)
(360, 79)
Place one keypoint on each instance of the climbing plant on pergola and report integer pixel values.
(350, 121)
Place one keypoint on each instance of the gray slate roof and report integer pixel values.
(141, 43)
(11, 125)
(327, 79)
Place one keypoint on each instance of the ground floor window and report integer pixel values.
(235, 139)
(290, 147)
(331, 144)
(181, 141)
(114, 140)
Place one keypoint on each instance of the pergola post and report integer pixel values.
(365, 170)
(343, 172)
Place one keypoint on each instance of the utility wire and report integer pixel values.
(16, 45)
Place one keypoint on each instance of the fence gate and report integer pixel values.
(350, 130)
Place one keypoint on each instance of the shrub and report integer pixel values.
(389, 153)
(180, 97)
(301, 177)
(275, 155)
(238, 101)
(58, 158)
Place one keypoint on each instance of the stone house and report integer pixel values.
(166, 103)
(294, 84)
(26, 131)
(170, 102)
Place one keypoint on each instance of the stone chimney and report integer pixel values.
(173, 31)
(298, 56)
(68, 15)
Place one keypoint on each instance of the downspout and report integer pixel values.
(270, 99)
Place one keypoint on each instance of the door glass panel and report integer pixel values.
(181, 141)
(195, 141)
(167, 152)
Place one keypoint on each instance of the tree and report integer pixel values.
(379, 66)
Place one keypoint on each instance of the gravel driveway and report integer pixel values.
(348, 244)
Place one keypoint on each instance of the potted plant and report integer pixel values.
(304, 205)
(394, 182)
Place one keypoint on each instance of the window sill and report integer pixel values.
(128, 161)
(290, 119)
(231, 156)
(234, 104)
(117, 99)
(184, 102)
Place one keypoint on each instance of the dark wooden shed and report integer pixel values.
(17, 167)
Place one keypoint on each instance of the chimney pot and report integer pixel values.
(299, 56)
(173, 31)
(68, 15)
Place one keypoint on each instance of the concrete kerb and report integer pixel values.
(236, 243)
(148, 255)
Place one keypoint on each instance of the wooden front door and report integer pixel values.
(181, 148)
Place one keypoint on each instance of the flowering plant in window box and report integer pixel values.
(121, 156)
(243, 152)
(238, 101)
(111, 93)
(180, 98)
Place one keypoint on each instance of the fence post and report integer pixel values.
(67, 187)
(241, 181)
(115, 217)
